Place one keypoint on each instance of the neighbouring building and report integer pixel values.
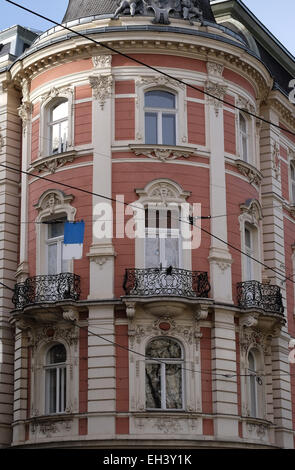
(147, 341)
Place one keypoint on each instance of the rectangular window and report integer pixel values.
(55, 262)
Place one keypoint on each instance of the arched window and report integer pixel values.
(55, 379)
(164, 374)
(253, 384)
(58, 126)
(244, 146)
(292, 171)
(160, 117)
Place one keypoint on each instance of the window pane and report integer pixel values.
(60, 111)
(248, 238)
(57, 354)
(172, 252)
(243, 124)
(55, 138)
(51, 390)
(164, 348)
(63, 135)
(173, 386)
(52, 258)
(62, 390)
(245, 148)
(293, 192)
(151, 128)
(153, 385)
(56, 229)
(168, 129)
(159, 99)
(152, 252)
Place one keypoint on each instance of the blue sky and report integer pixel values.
(279, 20)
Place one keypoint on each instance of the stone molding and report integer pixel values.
(53, 162)
(248, 170)
(162, 153)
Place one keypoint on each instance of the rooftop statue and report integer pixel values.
(161, 10)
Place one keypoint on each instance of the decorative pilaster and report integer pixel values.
(102, 253)
(220, 258)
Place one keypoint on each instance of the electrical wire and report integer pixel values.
(190, 222)
(154, 69)
(229, 376)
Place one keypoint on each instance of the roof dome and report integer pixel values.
(192, 10)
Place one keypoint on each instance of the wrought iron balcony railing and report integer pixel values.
(47, 288)
(254, 294)
(152, 282)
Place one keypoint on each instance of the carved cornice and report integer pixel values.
(258, 77)
(56, 92)
(159, 80)
(283, 106)
(162, 153)
(248, 170)
(51, 332)
(102, 87)
(51, 199)
(53, 162)
(252, 208)
(165, 325)
(246, 104)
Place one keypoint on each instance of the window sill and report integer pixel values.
(53, 162)
(248, 170)
(162, 153)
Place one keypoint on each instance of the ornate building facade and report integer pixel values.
(151, 340)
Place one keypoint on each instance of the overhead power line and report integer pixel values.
(154, 69)
(190, 221)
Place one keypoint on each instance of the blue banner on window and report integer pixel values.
(74, 232)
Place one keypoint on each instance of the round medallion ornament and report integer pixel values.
(164, 326)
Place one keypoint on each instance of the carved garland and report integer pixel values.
(162, 153)
(165, 326)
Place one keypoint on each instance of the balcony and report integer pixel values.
(174, 282)
(254, 294)
(48, 288)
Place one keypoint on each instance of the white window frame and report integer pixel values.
(159, 113)
(260, 389)
(62, 146)
(52, 204)
(244, 135)
(147, 198)
(162, 364)
(145, 84)
(58, 241)
(61, 376)
(162, 233)
(254, 225)
(252, 384)
(39, 364)
(48, 101)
